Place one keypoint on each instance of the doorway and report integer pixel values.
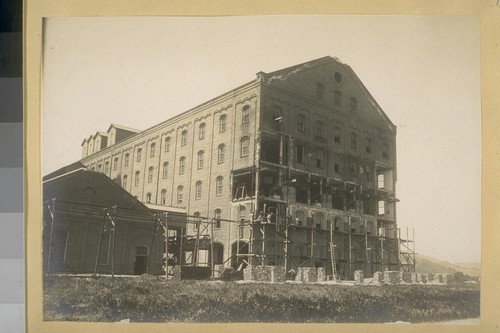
(141, 260)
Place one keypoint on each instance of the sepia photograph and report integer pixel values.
(261, 169)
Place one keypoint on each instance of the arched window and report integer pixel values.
(180, 190)
(337, 98)
(165, 170)
(320, 156)
(163, 197)
(197, 192)
(106, 167)
(127, 158)
(320, 129)
(299, 217)
(218, 185)
(319, 220)
(167, 144)
(381, 207)
(244, 146)
(139, 154)
(200, 159)
(320, 91)
(385, 150)
(352, 169)
(354, 105)
(380, 181)
(124, 181)
(115, 164)
(243, 212)
(136, 180)
(337, 135)
(196, 220)
(152, 150)
(222, 123)
(184, 137)
(150, 175)
(148, 198)
(337, 163)
(220, 153)
(245, 115)
(201, 131)
(217, 216)
(301, 123)
(338, 223)
(99, 167)
(354, 142)
(368, 145)
(182, 165)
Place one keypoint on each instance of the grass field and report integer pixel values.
(154, 299)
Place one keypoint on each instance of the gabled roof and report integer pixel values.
(104, 134)
(284, 73)
(123, 128)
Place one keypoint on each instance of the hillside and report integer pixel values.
(427, 264)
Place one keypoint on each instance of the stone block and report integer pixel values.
(218, 269)
(378, 277)
(321, 274)
(424, 278)
(308, 274)
(359, 276)
(406, 277)
(176, 272)
(392, 277)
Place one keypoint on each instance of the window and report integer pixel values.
(104, 249)
(352, 169)
(368, 145)
(318, 220)
(201, 155)
(217, 216)
(336, 163)
(337, 135)
(139, 154)
(320, 91)
(182, 165)
(99, 167)
(180, 190)
(244, 146)
(319, 159)
(163, 197)
(301, 123)
(385, 150)
(106, 167)
(320, 129)
(148, 197)
(220, 153)
(300, 154)
(245, 115)
(354, 105)
(124, 182)
(136, 180)
(152, 150)
(127, 157)
(243, 213)
(381, 207)
(354, 142)
(299, 217)
(218, 185)
(150, 175)
(380, 181)
(222, 123)
(197, 191)
(337, 98)
(201, 131)
(368, 172)
(115, 164)
(167, 144)
(165, 170)
(184, 137)
(196, 220)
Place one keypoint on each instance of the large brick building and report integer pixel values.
(303, 158)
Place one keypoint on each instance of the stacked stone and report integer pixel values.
(307, 274)
(416, 277)
(424, 278)
(321, 274)
(447, 278)
(359, 277)
(378, 277)
(176, 272)
(264, 273)
(218, 269)
(392, 277)
(406, 277)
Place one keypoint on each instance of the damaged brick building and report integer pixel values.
(296, 168)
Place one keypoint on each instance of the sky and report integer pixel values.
(422, 70)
